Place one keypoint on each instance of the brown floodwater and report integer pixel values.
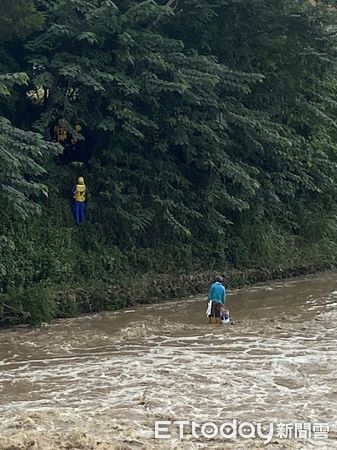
(101, 381)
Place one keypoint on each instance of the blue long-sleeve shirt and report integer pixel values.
(217, 293)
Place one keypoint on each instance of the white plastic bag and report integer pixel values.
(209, 309)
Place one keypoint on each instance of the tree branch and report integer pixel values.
(172, 4)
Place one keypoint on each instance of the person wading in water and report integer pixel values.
(217, 297)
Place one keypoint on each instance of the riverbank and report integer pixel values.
(45, 302)
(153, 288)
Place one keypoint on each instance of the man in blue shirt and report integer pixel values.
(217, 295)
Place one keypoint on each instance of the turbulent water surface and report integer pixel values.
(102, 381)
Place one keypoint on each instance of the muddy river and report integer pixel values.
(122, 380)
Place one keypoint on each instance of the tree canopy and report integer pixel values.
(207, 128)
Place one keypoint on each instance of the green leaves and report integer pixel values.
(91, 38)
(199, 116)
(18, 19)
(21, 155)
(8, 80)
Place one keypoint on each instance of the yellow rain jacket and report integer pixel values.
(80, 191)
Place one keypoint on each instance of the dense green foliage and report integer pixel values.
(207, 137)
(18, 18)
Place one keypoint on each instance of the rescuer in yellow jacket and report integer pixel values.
(79, 200)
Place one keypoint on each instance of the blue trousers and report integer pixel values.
(79, 211)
